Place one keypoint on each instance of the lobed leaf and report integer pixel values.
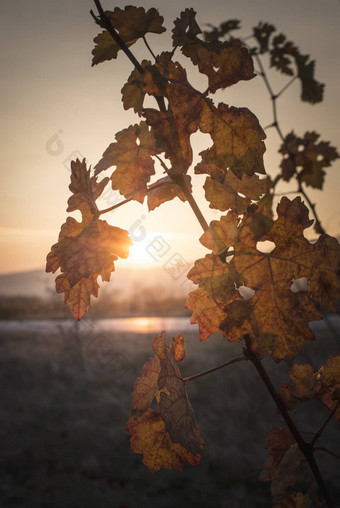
(237, 142)
(85, 249)
(132, 23)
(276, 317)
(306, 158)
(224, 63)
(169, 436)
(131, 153)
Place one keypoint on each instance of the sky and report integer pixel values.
(54, 107)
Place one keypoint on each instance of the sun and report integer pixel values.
(140, 255)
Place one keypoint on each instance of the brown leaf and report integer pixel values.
(295, 500)
(149, 437)
(132, 155)
(170, 435)
(237, 141)
(131, 23)
(224, 63)
(234, 193)
(85, 249)
(206, 313)
(306, 158)
(278, 318)
(166, 192)
(304, 378)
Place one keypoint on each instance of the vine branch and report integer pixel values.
(306, 448)
(209, 371)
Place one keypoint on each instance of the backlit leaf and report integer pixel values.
(131, 153)
(224, 63)
(276, 317)
(170, 435)
(234, 193)
(131, 23)
(85, 249)
(237, 141)
(166, 192)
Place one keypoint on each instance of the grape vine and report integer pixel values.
(272, 319)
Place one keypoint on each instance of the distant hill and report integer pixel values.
(125, 282)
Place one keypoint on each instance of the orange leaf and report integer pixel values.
(166, 192)
(237, 141)
(277, 318)
(132, 154)
(170, 435)
(85, 249)
(150, 438)
(232, 192)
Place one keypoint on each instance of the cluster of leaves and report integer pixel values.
(242, 289)
(283, 54)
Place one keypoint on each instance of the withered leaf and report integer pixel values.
(85, 249)
(131, 153)
(170, 435)
(307, 158)
(237, 141)
(305, 386)
(224, 63)
(166, 192)
(234, 193)
(131, 23)
(277, 318)
(149, 437)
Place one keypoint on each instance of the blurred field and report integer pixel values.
(65, 401)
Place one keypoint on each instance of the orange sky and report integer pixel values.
(54, 105)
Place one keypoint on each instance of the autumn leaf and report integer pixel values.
(324, 383)
(283, 464)
(132, 23)
(276, 317)
(262, 33)
(168, 436)
(306, 158)
(85, 249)
(166, 192)
(234, 193)
(237, 141)
(150, 438)
(295, 500)
(305, 386)
(224, 63)
(131, 153)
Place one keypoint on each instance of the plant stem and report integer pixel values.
(306, 448)
(127, 200)
(323, 449)
(149, 48)
(209, 371)
(323, 426)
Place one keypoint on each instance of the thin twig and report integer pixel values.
(149, 48)
(286, 86)
(322, 449)
(209, 371)
(152, 187)
(325, 423)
